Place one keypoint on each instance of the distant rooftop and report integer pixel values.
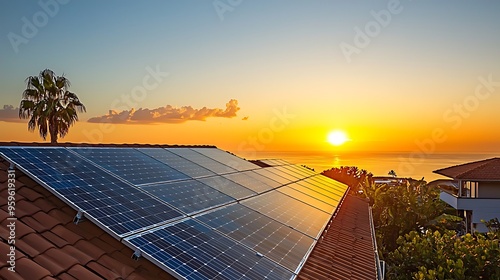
(488, 169)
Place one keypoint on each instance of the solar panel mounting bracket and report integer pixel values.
(78, 217)
(136, 255)
(12, 166)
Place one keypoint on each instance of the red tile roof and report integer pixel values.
(346, 248)
(488, 169)
(49, 245)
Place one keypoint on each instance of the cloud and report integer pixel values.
(9, 114)
(167, 114)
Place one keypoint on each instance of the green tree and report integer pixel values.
(398, 210)
(435, 255)
(49, 105)
(352, 176)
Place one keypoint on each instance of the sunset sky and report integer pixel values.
(263, 75)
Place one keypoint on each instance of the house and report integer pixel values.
(49, 244)
(477, 193)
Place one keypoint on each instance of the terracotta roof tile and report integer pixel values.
(29, 269)
(44, 204)
(488, 169)
(86, 229)
(345, 250)
(25, 180)
(109, 248)
(26, 208)
(33, 244)
(89, 249)
(62, 216)
(4, 250)
(102, 271)
(82, 257)
(80, 272)
(21, 229)
(126, 258)
(7, 274)
(66, 234)
(3, 177)
(29, 193)
(112, 264)
(66, 276)
(3, 215)
(55, 239)
(56, 261)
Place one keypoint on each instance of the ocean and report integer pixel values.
(405, 164)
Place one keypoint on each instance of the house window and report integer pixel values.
(471, 189)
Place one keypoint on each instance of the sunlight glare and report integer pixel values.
(337, 137)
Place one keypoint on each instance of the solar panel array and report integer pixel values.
(196, 212)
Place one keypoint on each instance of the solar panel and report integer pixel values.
(312, 184)
(247, 223)
(226, 158)
(189, 196)
(311, 200)
(179, 163)
(244, 179)
(191, 250)
(131, 165)
(261, 178)
(202, 160)
(270, 238)
(227, 186)
(271, 174)
(329, 184)
(119, 207)
(289, 211)
(317, 192)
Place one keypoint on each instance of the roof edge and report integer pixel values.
(108, 145)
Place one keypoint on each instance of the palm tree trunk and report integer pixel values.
(53, 131)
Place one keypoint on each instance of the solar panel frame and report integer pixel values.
(286, 209)
(271, 175)
(227, 187)
(142, 170)
(177, 162)
(77, 196)
(248, 181)
(277, 241)
(201, 196)
(202, 160)
(226, 158)
(307, 199)
(181, 248)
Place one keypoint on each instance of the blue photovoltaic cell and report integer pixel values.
(226, 158)
(131, 165)
(261, 178)
(333, 187)
(317, 192)
(268, 172)
(227, 186)
(202, 160)
(194, 251)
(289, 211)
(189, 196)
(311, 200)
(274, 240)
(247, 181)
(116, 205)
(179, 163)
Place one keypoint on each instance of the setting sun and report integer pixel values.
(337, 137)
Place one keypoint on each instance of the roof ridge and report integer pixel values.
(485, 162)
(109, 145)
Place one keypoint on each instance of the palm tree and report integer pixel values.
(49, 105)
(392, 173)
